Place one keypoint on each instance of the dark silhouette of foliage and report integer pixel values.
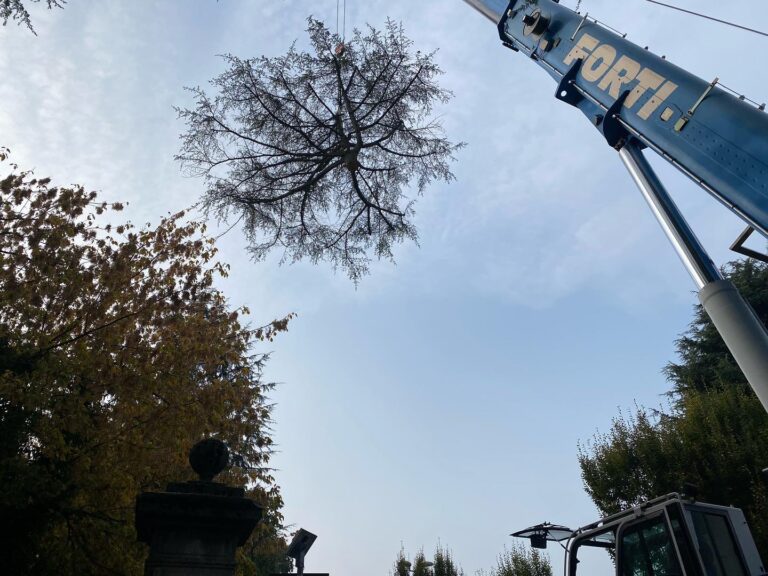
(16, 10)
(518, 560)
(514, 561)
(420, 566)
(717, 440)
(443, 564)
(118, 354)
(402, 565)
(316, 150)
(265, 552)
(714, 434)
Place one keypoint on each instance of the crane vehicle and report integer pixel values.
(637, 101)
(669, 536)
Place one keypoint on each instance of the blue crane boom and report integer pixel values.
(639, 100)
(717, 139)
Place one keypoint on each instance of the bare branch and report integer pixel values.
(318, 150)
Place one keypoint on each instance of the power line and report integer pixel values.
(708, 17)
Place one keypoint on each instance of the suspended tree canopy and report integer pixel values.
(316, 151)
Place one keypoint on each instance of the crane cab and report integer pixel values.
(668, 536)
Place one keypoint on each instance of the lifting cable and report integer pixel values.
(707, 17)
(343, 19)
(339, 51)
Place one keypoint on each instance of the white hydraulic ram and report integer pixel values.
(638, 100)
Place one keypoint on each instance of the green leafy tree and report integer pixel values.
(518, 560)
(421, 565)
(117, 354)
(317, 151)
(444, 564)
(402, 565)
(16, 10)
(714, 433)
(515, 561)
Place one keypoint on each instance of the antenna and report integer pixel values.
(708, 17)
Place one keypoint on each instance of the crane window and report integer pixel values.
(716, 545)
(647, 550)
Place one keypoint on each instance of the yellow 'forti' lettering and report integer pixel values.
(656, 100)
(582, 48)
(647, 79)
(598, 62)
(623, 72)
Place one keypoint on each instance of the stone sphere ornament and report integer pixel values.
(208, 458)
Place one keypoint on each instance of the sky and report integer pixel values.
(443, 399)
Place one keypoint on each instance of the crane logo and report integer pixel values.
(602, 64)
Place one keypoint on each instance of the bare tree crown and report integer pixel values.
(316, 150)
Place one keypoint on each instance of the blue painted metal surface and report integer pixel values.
(722, 144)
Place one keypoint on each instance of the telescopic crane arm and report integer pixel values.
(639, 100)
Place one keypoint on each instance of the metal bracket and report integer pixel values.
(579, 26)
(739, 248)
(612, 129)
(566, 90)
(680, 124)
(503, 22)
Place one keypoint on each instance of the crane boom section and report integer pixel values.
(714, 137)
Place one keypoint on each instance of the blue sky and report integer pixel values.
(443, 398)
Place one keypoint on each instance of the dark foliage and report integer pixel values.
(402, 565)
(717, 440)
(444, 564)
(705, 362)
(117, 354)
(714, 434)
(15, 10)
(315, 151)
(521, 561)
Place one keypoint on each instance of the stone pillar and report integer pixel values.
(194, 528)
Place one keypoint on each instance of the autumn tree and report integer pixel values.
(17, 10)
(320, 152)
(117, 353)
(713, 434)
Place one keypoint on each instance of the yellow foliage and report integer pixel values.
(117, 354)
